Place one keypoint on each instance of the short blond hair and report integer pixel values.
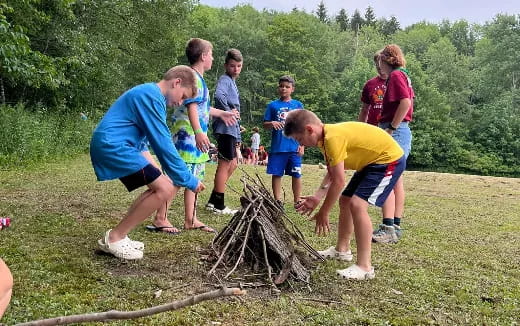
(296, 121)
(186, 75)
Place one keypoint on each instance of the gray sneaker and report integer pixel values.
(398, 231)
(385, 234)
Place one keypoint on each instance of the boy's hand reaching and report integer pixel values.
(230, 117)
(307, 204)
(200, 187)
(301, 150)
(322, 223)
(202, 142)
(277, 125)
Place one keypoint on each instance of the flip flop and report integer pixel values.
(208, 229)
(154, 228)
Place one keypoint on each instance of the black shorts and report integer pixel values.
(145, 176)
(226, 145)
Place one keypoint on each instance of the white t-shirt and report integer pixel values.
(255, 141)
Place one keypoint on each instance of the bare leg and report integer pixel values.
(190, 213)
(363, 231)
(389, 206)
(296, 188)
(399, 198)
(6, 287)
(345, 225)
(162, 190)
(225, 169)
(277, 187)
(161, 217)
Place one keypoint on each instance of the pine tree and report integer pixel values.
(342, 20)
(370, 17)
(356, 22)
(321, 12)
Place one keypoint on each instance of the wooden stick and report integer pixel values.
(118, 315)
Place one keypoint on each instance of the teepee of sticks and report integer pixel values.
(260, 236)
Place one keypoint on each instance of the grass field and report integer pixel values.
(457, 263)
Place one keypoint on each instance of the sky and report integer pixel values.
(407, 12)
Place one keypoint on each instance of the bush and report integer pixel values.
(33, 137)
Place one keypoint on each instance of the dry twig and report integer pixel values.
(118, 315)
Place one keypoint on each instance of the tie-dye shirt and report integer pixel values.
(183, 134)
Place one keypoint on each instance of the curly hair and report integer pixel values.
(393, 55)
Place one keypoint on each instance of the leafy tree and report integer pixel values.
(461, 34)
(388, 27)
(342, 20)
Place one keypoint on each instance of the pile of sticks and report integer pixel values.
(260, 236)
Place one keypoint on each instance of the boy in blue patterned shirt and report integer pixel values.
(190, 127)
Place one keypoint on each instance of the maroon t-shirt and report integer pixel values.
(372, 94)
(398, 87)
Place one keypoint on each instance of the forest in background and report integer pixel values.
(60, 58)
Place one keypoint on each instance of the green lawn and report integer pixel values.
(457, 263)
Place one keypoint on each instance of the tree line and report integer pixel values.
(62, 57)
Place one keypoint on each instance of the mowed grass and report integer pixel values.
(457, 263)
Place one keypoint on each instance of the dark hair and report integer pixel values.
(287, 79)
(255, 129)
(233, 54)
(195, 48)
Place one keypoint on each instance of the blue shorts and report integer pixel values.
(402, 135)
(375, 182)
(146, 175)
(288, 163)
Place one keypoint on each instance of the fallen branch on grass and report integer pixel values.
(118, 315)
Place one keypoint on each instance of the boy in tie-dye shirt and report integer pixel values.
(189, 130)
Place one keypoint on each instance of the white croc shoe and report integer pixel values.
(355, 272)
(124, 249)
(331, 252)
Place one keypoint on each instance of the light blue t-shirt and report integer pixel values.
(183, 133)
(226, 98)
(137, 117)
(277, 111)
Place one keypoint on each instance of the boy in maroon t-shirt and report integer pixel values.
(372, 96)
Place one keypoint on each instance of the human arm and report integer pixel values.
(151, 116)
(400, 113)
(276, 125)
(229, 117)
(301, 150)
(308, 203)
(201, 139)
(363, 113)
(337, 184)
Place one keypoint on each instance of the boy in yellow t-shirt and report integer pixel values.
(378, 161)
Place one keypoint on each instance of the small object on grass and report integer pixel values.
(5, 222)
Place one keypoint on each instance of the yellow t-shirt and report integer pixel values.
(358, 144)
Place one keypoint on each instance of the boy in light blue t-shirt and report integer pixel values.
(285, 154)
(118, 151)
